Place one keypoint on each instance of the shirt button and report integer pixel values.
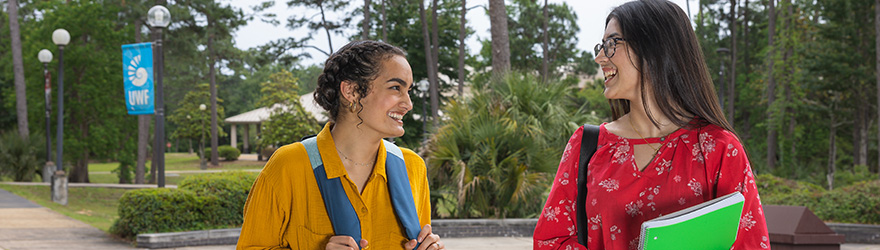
(363, 210)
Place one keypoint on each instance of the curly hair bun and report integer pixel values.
(358, 62)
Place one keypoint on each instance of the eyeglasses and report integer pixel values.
(608, 45)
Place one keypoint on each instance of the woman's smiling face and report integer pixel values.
(388, 100)
(621, 74)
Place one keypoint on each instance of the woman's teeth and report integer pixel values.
(609, 74)
(396, 116)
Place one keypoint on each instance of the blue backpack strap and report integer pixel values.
(401, 192)
(342, 214)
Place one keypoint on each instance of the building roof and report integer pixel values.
(262, 114)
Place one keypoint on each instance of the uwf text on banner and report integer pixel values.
(137, 72)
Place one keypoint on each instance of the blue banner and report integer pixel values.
(137, 72)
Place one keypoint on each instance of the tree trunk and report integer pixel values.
(326, 29)
(462, 32)
(771, 87)
(18, 71)
(428, 52)
(80, 172)
(435, 63)
(731, 88)
(789, 111)
(877, 69)
(384, 23)
(832, 149)
(366, 24)
(500, 39)
(861, 133)
(745, 27)
(212, 72)
(700, 14)
(545, 45)
(143, 126)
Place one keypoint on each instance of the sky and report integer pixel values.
(591, 19)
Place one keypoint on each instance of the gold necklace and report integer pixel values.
(352, 161)
(643, 137)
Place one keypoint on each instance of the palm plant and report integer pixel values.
(497, 152)
(20, 157)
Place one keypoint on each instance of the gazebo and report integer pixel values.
(258, 116)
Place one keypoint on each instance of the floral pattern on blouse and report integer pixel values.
(692, 166)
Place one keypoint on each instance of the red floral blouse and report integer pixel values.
(692, 166)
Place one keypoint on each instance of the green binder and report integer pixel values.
(707, 226)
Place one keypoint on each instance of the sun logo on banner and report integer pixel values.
(137, 75)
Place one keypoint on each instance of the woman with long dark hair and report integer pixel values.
(347, 188)
(668, 147)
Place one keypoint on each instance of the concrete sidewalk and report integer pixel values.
(25, 225)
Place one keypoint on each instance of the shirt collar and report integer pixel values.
(333, 165)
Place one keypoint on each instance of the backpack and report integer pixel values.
(589, 141)
(343, 217)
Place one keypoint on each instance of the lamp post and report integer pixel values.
(158, 17)
(59, 180)
(45, 56)
(423, 87)
(203, 163)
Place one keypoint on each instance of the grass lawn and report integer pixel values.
(112, 178)
(173, 161)
(182, 161)
(94, 206)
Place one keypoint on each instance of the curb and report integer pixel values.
(102, 185)
(857, 233)
(448, 228)
(191, 238)
(464, 228)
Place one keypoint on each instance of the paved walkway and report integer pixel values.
(25, 225)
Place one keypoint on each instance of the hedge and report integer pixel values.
(228, 152)
(857, 203)
(204, 201)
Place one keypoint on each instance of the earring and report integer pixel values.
(351, 107)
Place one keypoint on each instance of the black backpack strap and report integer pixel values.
(589, 141)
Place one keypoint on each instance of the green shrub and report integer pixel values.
(859, 203)
(851, 175)
(200, 202)
(779, 191)
(157, 210)
(224, 193)
(21, 159)
(228, 152)
(125, 170)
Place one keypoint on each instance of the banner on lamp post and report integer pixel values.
(137, 73)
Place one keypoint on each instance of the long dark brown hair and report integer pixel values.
(670, 58)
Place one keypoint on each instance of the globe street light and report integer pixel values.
(59, 190)
(158, 17)
(423, 87)
(45, 56)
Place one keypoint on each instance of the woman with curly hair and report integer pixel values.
(347, 188)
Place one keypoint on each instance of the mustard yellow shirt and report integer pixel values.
(285, 210)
